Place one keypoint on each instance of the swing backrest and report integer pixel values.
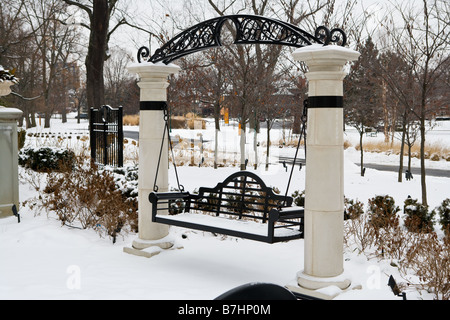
(243, 195)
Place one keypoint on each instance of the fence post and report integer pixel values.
(92, 135)
(104, 110)
(120, 136)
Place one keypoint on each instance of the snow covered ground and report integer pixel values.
(39, 259)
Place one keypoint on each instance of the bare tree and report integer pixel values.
(398, 91)
(18, 52)
(363, 93)
(422, 39)
(104, 18)
(255, 67)
(11, 30)
(119, 83)
(55, 44)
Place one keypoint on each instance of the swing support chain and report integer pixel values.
(304, 119)
(166, 130)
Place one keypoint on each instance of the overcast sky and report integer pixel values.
(131, 39)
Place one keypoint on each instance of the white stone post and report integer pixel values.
(324, 194)
(9, 174)
(153, 83)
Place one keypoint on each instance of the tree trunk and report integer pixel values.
(47, 117)
(296, 128)
(409, 157)
(402, 148)
(255, 146)
(268, 146)
(216, 149)
(64, 114)
(216, 142)
(385, 113)
(28, 119)
(422, 160)
(361, 133)
(242, 145)
(95, 59)
(33, 118)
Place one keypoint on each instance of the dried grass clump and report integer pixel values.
(131, 120)
(178, 122)
(434, 151)
(194, 122)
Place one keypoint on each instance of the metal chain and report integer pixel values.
(166, 129)
(304, 120)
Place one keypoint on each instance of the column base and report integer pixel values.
(150, 248)
(322, 288)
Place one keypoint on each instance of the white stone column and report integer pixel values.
(324, 190)
(9, 174)
(153, 83)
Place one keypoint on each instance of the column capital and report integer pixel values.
(148, 70)
(325, 58)
(9, 114)
(153, 79)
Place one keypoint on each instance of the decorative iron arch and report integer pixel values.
(250, 29)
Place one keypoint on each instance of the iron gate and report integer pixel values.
(106, 136)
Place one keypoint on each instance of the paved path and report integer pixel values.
(131, 134)
(415, 171)
(383, 167)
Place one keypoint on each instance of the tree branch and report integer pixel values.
(26, 99)
(81, 6)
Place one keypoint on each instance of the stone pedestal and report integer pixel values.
(324, 194)
(153, 83)
(9, 174)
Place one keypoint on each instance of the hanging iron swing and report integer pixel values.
(240, 206)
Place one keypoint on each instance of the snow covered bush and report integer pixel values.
(126, 179)
(435, 157)
(353, 209)
(47, 159)
(429, 259)
(444, 216)
(299, 198)
(383, 211)
(21, 137)
(418, 218)
(359, 234)
(88, 198)
(423, 259)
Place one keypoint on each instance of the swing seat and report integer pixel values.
(240, 206)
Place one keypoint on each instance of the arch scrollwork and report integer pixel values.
(248, 29)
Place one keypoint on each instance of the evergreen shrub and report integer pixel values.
(444, 215)
(353, 209)
(47, 159)
(418, 218)
(299, 198)
(383, 211)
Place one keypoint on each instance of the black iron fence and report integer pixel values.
(106, 136)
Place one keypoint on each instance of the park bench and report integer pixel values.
(240, 206)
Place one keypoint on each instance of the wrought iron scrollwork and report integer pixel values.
(248, 29)
(336, 35)
(143, 53)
